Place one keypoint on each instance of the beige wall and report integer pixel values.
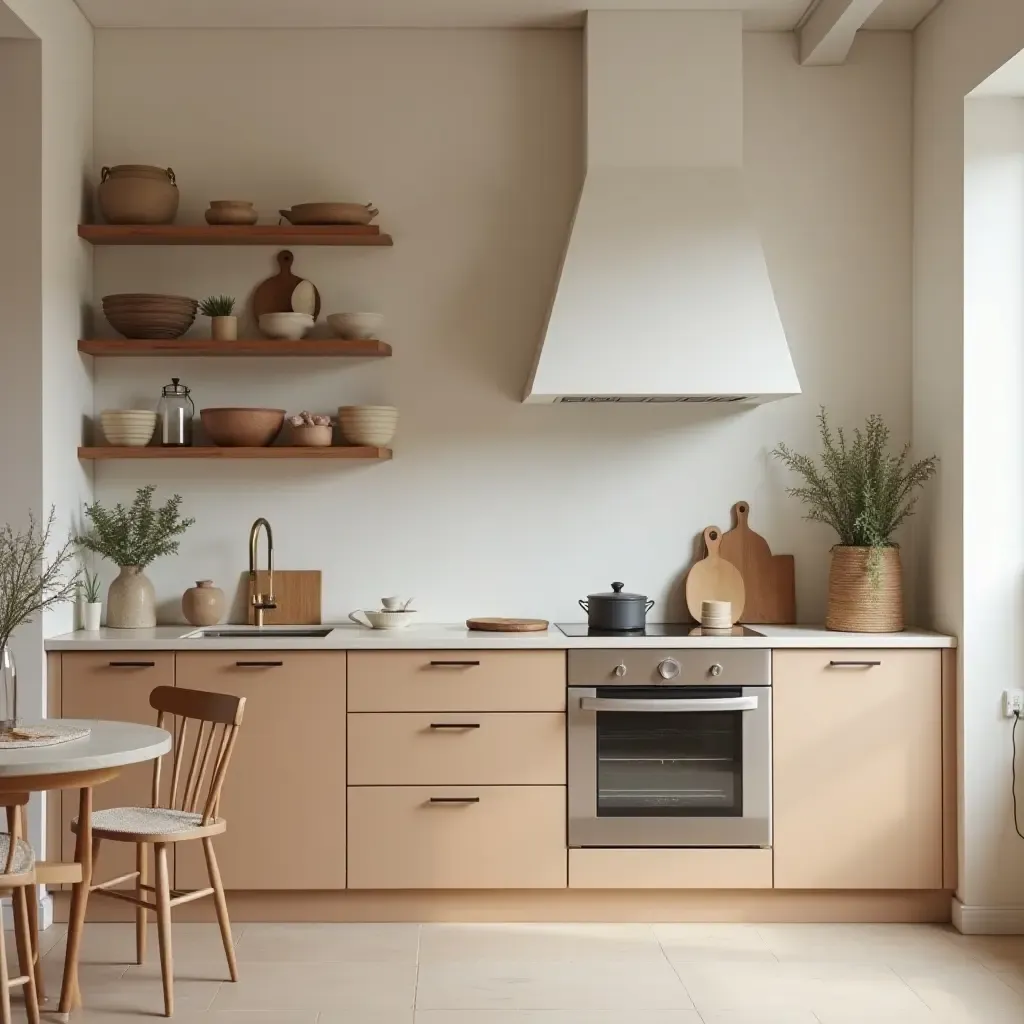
(964, 588)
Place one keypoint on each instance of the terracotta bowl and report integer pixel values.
(312, 436)
(242, 428)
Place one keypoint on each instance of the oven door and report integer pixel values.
(670, 766)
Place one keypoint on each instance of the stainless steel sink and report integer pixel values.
(260, 634)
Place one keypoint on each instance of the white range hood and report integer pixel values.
(663, 294)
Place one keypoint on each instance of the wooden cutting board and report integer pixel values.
(275, 294)
(507, 625)
(770, 580)
(297, 593)
(714, 579)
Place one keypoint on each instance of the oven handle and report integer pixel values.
(709, 704)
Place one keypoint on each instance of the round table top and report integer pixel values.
(108, 745)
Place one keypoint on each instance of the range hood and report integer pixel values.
(663, 294)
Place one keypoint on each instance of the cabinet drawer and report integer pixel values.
(670, 869)
(880, 666)
(206, 670)
(145, 669)
(507, 837)
(456, 681)
(446, 748)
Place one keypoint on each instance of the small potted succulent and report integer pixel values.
(89, 599)
(223, 323)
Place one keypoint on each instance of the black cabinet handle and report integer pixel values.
(454, 725)
(854, 664)
(259, 664)
(132, 664)
(455, 799)
(454, 664)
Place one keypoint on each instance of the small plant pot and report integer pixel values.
(312, 436)
(862, 599)
(224, 328)
(91, 615)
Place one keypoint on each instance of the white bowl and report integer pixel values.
(131, 428)
(289, 326)
(383, 619)
(372, 425)
(356, 326)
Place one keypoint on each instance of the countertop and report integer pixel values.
(456, 637)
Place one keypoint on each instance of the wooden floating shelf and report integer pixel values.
(278, 452)
(232, 234)
(328, 348)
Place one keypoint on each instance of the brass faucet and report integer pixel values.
(261, 602)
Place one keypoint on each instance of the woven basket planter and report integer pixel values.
(855, 603)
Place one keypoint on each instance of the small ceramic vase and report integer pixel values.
(203, 604)
(224, 328)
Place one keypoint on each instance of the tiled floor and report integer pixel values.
(557, 974)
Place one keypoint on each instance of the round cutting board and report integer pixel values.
(714, 579)
(507, 625)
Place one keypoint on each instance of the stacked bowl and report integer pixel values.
(372, 425)
(130, 428)
(144, 315)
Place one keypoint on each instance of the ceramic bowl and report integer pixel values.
(144, 315)
(312, 436)
(372, 425)
(288, 326)
(383, 619)
(242, 428)
(231, 211)
(132, 428)
(356, 326)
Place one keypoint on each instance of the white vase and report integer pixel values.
(91, 615)
(131, 600)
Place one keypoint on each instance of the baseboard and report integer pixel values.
(987, 920)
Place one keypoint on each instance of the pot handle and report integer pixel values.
(364, 621)
(104, 174)
(650, 605)
(585, 605)
(170, 174)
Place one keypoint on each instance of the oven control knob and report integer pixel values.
(716, 669)
(620, 670)
(669, 668)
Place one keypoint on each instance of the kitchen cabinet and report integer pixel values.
(284, 798)
(858, 769)
(116, 686)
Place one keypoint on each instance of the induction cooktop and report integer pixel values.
(656, 629)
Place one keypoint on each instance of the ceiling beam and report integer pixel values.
(828, 34)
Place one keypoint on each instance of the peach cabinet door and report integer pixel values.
(464, 837)
(857, 769)
(284, 798)
(114, 685)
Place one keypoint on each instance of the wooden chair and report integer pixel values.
(19, 878)
(193, 816)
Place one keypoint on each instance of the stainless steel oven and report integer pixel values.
(670, 747)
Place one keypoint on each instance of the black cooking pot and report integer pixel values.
(617, 611)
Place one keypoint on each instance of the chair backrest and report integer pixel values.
(201, 708)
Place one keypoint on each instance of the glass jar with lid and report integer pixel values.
(176, 412)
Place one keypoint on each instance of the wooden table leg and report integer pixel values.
(70, 994)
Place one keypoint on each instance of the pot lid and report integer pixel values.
(617, 595)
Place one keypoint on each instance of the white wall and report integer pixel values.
(976, 383)
(470, 143)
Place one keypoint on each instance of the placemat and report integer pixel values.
(41, 736)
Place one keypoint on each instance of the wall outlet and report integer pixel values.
(1013, 703)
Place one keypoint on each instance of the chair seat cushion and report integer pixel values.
(24, 858)
(143, 820)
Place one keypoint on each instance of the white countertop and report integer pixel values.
(457, 637)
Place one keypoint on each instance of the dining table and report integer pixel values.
(81, 764)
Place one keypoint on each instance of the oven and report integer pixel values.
(670, 747)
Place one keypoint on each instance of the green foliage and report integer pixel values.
(861, 490)
(90, 585)
(136, 535)
(217, 305)
(28, 585)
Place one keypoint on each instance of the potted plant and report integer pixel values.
(92, 606)
(28, 585)
(132, 538)
(220, 309)
(864, 493)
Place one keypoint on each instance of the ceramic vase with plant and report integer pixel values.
(220, 310)
(92, 606)
(864, 492)
(29, 584)
(132, 538)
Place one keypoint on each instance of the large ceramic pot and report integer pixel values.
(138, 194)
(203, 604)
(131, 600)
(865, 590)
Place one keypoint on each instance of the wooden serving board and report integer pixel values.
(274, 295)
(297, 594)
(490, 625)
(770, 580)
(714, 579)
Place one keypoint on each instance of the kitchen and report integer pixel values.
(581, 495)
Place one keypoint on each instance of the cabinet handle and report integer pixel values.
(132, 664)
(455, 799)
(854, 664)
(454, 664)
(454, 725)
(259, 664)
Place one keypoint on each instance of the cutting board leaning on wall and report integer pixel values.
(769, 580)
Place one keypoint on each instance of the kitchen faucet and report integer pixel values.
(261, 602)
